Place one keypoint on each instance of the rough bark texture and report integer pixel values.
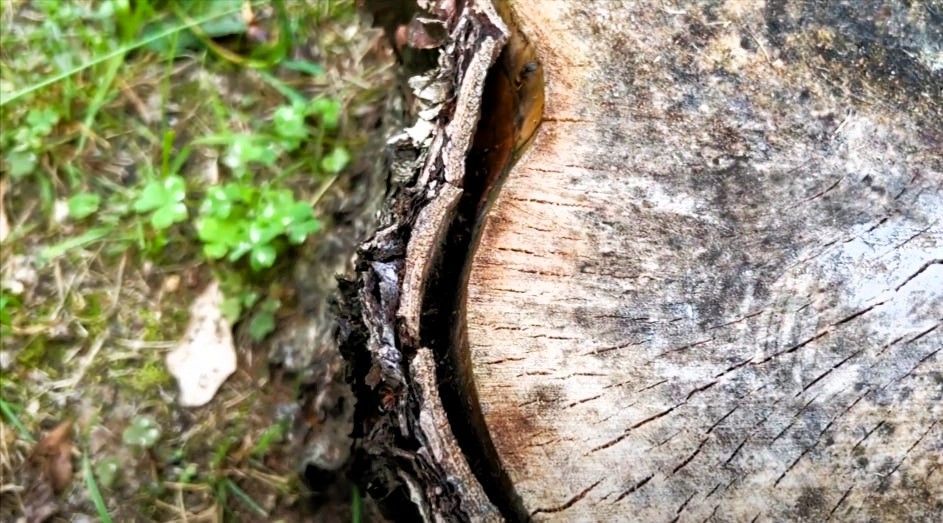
(713, 287)
(405, 448)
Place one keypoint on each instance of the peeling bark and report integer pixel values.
(406, 450)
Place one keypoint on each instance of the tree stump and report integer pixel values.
(709, 285)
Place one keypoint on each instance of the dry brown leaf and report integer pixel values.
(54, 453)
(206, 356)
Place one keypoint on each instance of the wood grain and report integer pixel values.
(713, 286)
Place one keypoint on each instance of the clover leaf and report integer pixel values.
(328, 110)
(262, 257)
(245, 149)
(335, 161)
(83, 205)
(290, 125)
(142, 432)
(21, 163)
(263, 321)
(218, 236)
(238, 219)
(299, 222)
(41, 121)
(164, 200)
(218, 203)
(106, 471)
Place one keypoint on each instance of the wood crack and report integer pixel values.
(824, 191)
(504, 360)
(635, 487)
(584, 400)
(572, 501)
(700, 389)
(685, 347)
(829, 371)
(841, 500)
(795, 418)
(816, 442)
(912, 369)
(693, 455)
(685, 504)
(736, 451)
(633, 427)
(867, 435)
(603, 350)
(722, 418)
(918, 272)
(887, 477)
(556, 204)
(733, 367)
(795, 347)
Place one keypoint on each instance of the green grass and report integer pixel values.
(229, 486)
(147, 147)
(232, 222)
(115, 53)
(356, 505)
(10, 416)
(93, 491)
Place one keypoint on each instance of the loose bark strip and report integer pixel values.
(405, 450)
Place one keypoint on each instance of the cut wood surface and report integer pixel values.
(713, 285)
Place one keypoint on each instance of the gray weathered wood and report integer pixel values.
(713, 286)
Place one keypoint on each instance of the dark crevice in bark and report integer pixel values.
(513, 89)
(393, 457)
(389, 458)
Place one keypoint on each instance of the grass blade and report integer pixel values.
(99, 99)
(10, 415)
(113, 54)
(243, 497)
(279, 51)
(93, 492)
(89, 236)
(303, 66)
(293, 95)
(356, 505)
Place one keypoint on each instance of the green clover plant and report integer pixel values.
(163, 199)
(83, 204)
(28, 139)
(142, 432)
(238, 219)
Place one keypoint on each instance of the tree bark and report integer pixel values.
(710, 285)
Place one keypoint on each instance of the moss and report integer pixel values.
(92, 311)
(42, 353)
(149, 377)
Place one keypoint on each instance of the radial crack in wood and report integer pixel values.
(713, 281)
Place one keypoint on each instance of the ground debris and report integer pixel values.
(206, 355)
(51, 462)
(54, 455)
(4, 222)
(92, 304)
